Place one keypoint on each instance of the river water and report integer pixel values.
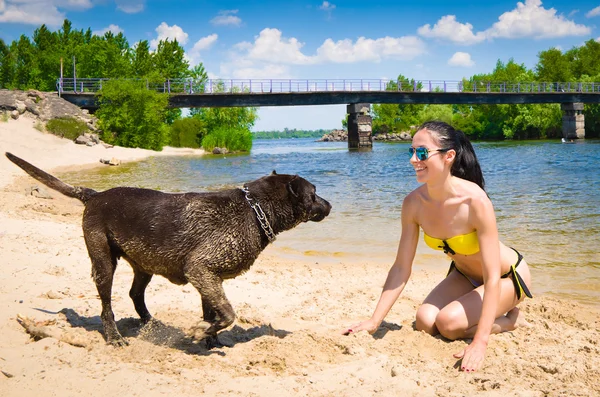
(546, 195)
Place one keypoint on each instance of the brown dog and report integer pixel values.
(197, 238)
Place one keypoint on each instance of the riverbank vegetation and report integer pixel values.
(498, 122)
(290, 133)
(132, 116)
(129, 114)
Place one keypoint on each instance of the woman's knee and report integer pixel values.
(451, 324)
(425, 321)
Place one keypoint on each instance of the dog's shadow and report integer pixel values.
(161, 334)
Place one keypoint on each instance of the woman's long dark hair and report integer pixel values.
(466, 165)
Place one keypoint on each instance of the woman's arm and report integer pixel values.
(487, 232)
(400, 271)
(484, 221)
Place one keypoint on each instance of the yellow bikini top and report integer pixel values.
(464, 244)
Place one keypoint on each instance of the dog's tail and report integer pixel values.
(81, 193)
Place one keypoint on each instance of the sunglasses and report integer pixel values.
(423, 152)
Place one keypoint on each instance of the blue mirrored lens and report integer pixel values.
(422, 153)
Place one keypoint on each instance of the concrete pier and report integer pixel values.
(360, 135)
(573, 120)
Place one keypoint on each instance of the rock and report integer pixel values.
(15, 114)
(37, 95)
(21, 107)
(32, 108)
(112, 161)
(82, 140)
(218, 150)
(92, 137)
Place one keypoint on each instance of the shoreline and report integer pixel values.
(56, 154)
(290, 312)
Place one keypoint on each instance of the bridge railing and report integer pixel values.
(263, 86)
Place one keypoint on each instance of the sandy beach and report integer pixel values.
(286, 340)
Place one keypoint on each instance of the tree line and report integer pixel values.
(498, 122)
(290, 133)
(129, 114)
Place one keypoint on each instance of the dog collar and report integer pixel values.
(260, 215)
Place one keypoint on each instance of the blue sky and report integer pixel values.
(429, 40)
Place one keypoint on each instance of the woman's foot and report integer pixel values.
(517, 319)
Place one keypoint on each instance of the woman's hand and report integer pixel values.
(369, 325)
(472, 356)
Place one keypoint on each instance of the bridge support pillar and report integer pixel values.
(359, 126)
(573, 121)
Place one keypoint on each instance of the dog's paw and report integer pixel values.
(117, 342)
(198, 331)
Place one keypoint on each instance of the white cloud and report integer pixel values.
(450, 29)
(593, 13)
(373, 50)
(327, 6)
(203, 44)
(31, 13)
(461, 59)
(270, 46)
(111, 28)
(166, 32)
(70, 4)
(265, 71)
(533, 20)
(130, 6)
(227, 17)
(528, 19)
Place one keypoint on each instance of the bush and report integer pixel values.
(131, 115)
(234, 139)
(67, 127)
(187, 132)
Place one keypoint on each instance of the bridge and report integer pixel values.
(358, 94)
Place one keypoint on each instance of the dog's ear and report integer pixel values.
(293, 186)
(274, 172)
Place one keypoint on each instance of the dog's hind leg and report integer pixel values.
(136, 293)
(104, 264)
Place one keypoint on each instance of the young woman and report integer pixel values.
(486, 279)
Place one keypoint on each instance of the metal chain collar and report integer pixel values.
(260, 215)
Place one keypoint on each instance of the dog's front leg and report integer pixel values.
(217, 311)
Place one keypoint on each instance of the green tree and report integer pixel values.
(237, 120)
(553, 66)
(199, 77)
(169, 60)
(7, 65)
(397, 117)
(187, 132)
(132, 116)
(142, 62)
(48, 58)
(26, 69)
(584, 59)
